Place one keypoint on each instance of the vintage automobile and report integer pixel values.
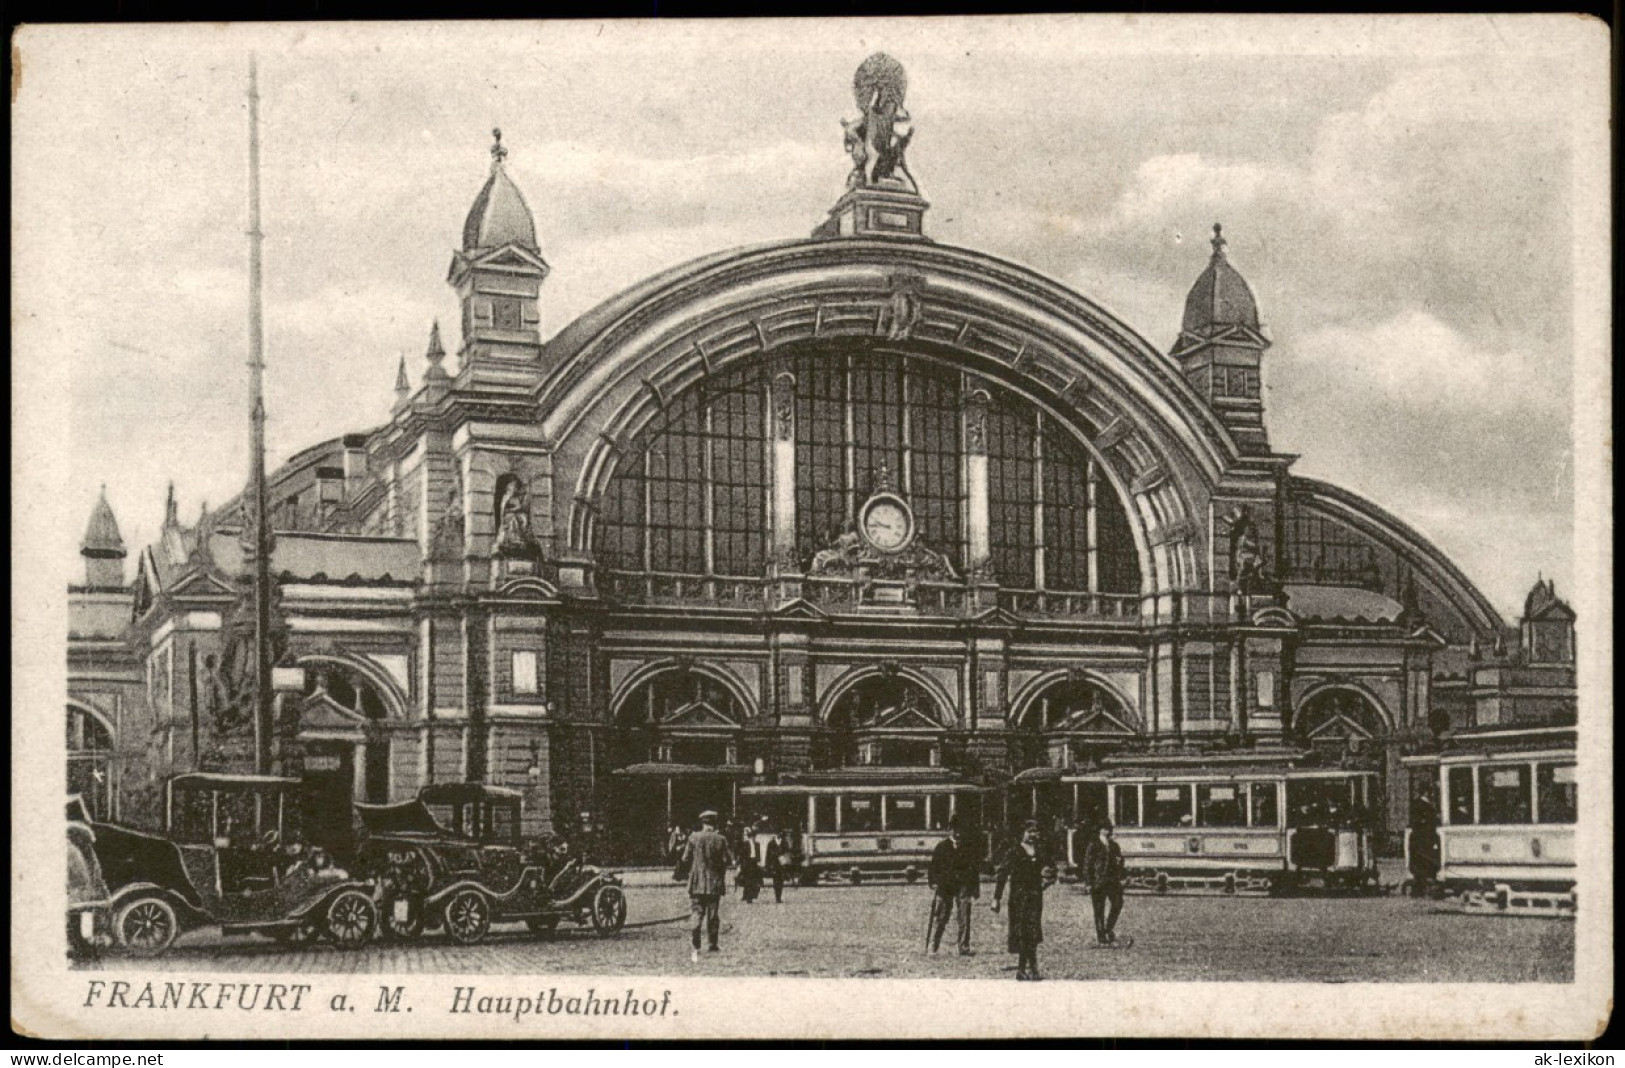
(454, 859)
(231, 856)
(88, 902)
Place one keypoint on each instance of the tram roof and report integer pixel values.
(1232, 773)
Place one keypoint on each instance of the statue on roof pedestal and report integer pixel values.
(877, 141)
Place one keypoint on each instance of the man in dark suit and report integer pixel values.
(1026, 869)
(707, 858)
(1103, 871)
(956, 879)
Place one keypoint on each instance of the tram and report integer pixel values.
(1507, 804)
(1243, 829)
(851, 827)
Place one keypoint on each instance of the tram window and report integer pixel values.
(1503, 794)
(1167, 806)
(1318, 803)
(936, 812)
(1219, 805)
(824, 814)
(1266, 812)
(1556, 789)
(905, 813)
(1128, 805)
(1461, 796)
(860, 814)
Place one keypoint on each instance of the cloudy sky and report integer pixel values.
(1401, 195)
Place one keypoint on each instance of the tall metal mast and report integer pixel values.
(263, 725)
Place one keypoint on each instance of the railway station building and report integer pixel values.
(854, 506)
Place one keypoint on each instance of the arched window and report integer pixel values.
(883, 720)
(1077, 721)
(692, 498)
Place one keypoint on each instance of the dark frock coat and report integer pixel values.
(1026, 877)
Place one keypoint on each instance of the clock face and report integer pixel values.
(887, 524)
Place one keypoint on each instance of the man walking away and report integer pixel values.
(707, 857)
(774, 860)
(1103, 871)
(956, 880)
(1027, 871)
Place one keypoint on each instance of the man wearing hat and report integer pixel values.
(1103, 871)
(956, 880)
(707, 858)
(1027, 871)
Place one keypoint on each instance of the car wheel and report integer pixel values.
(351, 919)
(401, 918)
(608, 910)
(467, 917)
(146, 926)
(542, 925)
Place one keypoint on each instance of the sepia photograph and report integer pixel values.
(792, 528)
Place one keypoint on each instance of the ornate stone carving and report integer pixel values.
(901, 312)
(446, 541)
(784, 405)
(851, 557)
(514, 535)
(976, 422)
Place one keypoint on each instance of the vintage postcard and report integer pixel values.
(812, 529)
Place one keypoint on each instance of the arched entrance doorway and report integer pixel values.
(1345, 726)
(342, 751)
(676, 753)
(884, 720)
(90, 761)
(1073, 722)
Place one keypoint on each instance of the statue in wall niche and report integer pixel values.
(514, 535)
(1246, 555)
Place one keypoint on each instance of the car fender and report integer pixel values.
(445, 892)
(185, 911)
(320, 901)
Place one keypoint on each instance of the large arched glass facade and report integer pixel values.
(692, 497)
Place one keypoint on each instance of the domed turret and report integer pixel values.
(498, 274)
(1220, 297)
(1221, 347)
(499, 215)
(1547, 629)
(103, 546)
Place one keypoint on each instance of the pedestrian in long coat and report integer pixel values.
(707, 857)
(1027, 872)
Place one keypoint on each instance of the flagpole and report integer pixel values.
(256, 361)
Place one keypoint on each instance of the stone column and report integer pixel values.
(784, 471)
(979, 548)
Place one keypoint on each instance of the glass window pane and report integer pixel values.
(934, 457)
(1127, 804)
(1503, 794)
(1265, 804)
(860, 814)
(1167, 806)
(1461, 796)
(1558, 792)
(1066, 509)
(821, 490)
(1220, 805)
(905, 813)
(824, 814)
(1011, 468)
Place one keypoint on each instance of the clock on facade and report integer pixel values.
(886, 522)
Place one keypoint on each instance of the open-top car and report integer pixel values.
(455, 858)
(88, 902)
(231, 856)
